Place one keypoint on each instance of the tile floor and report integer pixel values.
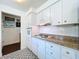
(20, 54)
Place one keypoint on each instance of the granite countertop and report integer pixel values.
(21, 54)
(70, 42)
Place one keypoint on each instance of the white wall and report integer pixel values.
(10, 36)
(7, 9)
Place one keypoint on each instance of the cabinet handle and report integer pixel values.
(67, 52)
(51, 52)
(51, 46)
(65, 21)
(58, 21)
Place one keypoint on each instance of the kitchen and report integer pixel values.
(49, 31)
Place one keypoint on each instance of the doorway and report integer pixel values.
(11, 34)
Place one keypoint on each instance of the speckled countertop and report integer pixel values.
(71, 42)
(21, 54)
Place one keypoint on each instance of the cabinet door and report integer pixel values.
(33, 19)
(39, 18)
(29, 43)
(70, 11)
(41, 49)
(35, 45)
(29, 20)
(68, 53)
(56, 13)
(52, 51)
(77, 55)
(46, 15)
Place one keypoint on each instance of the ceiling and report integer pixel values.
(24, 6)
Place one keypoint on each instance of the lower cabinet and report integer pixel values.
(68, 53)
(49, 50)
(29, 43)
(41, 49)
(52, 51)
(35, 45)
(77, 54)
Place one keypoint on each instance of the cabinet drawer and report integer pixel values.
(67, 53)
(52, 50)
(51, 46)
(50, 57)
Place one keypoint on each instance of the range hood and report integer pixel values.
(45, 24)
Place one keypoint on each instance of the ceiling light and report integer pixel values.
(20, 1)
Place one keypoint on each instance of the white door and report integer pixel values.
(70, 11)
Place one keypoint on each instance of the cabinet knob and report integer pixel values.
(67, 52)
(51, 46)
(58, 21)
(65, 21)
(51, 52)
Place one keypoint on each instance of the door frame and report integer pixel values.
(2, 27)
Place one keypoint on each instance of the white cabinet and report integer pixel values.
(70, 11)
(77, 54)
(61, 12)
(29, 43)
(46, 15)
(67, 53)
(35, 45)
(29, 38)
(48, 50)
(64, 12)
(52, 51)
(31, 18)
(41, 49)
(56, 13)
(39, 18)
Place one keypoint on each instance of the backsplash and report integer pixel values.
(35, 30)
(65, 30)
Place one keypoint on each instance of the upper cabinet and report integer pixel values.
(60, 12)
(44, 16)
(39, 18)
(56, 13)
(70, 11)
(32, 19)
